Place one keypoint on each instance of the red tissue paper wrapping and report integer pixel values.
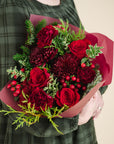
(105, 61)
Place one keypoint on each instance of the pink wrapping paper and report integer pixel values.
(105, 61)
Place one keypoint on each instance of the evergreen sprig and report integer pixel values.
(30, 32)
(40, 25)
(77, 35)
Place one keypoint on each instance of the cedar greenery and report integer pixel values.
(29, 115)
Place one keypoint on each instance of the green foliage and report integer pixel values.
(25, 50)
(52, 87)
(93, 51)
(91, 54)
(29, 115)
(30, 32)
(40, 25)
(79, 35)
(23, 59)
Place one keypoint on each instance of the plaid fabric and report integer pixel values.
(13, 14)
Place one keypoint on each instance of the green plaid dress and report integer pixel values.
(13, 14)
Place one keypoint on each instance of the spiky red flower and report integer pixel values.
(65, 65)
(86, 74)
(40, 56)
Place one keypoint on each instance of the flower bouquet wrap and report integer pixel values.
(60, 67)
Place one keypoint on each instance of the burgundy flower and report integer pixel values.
(40, 56)
(65, 65)
(46, 35)
(86, 75)
(78, 48)
(67, 96)
(40, 99)
(38, 77)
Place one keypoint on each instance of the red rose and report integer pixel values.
(38, 77)
(46, 35)
(40, 99)
(86, 75)
(67, 96)
(78, 48)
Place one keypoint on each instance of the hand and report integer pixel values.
(91, 109)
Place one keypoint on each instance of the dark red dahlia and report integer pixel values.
(46, 35)
(40, 56)
(86, 75)
(65, 65)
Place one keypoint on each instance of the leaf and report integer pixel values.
(40, 25)
(31, 32)
(26, 50)
(84, 60)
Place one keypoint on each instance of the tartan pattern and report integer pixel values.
(13, 14)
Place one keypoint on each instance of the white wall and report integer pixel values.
(98, 16)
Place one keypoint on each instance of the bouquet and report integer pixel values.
(59, 69)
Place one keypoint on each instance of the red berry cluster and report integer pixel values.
(72, 82)
(15, 88)
(84, 65)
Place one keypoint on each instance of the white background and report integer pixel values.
(98, 16)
